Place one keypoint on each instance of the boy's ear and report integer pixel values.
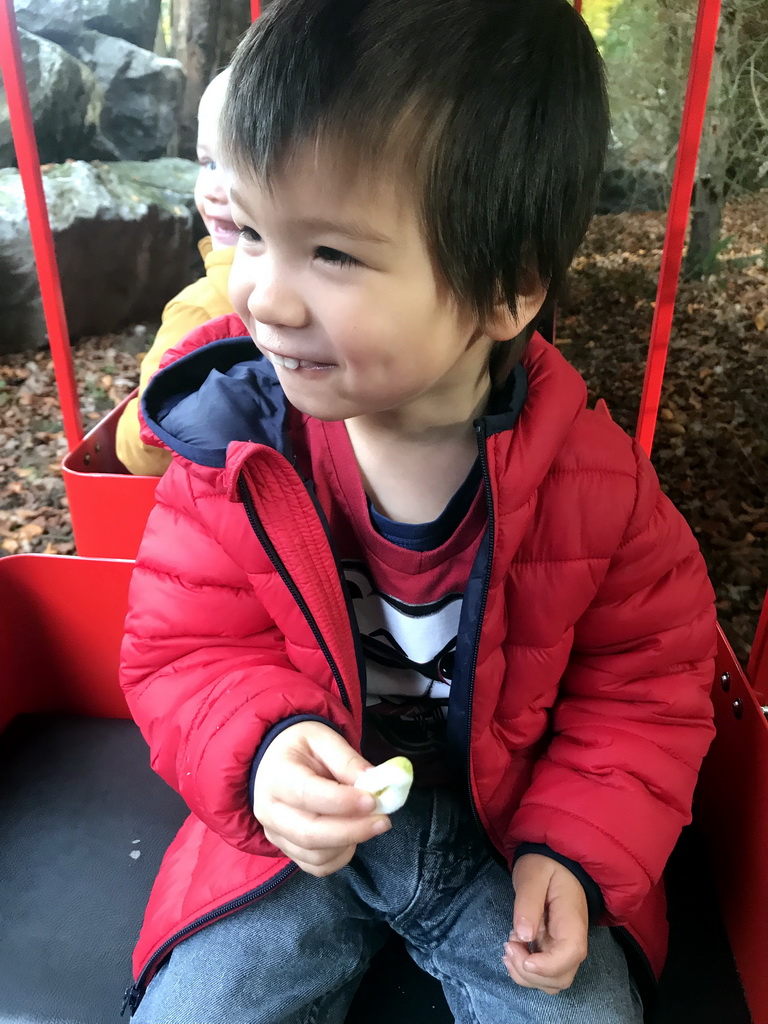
(503, 324)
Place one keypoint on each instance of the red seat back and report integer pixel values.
(60, 629)
(108, 506)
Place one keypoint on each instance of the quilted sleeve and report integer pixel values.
(204, 668)
(633, 718)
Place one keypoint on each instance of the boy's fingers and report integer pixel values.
(342, 761)
(302, 789)
(516, 959)
(324, 831)
(318, 863)
(531, 882)
(558, 964)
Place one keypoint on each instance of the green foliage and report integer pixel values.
(644, 49)
(166, 21)
(598, 14)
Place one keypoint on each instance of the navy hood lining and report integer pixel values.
(187, 377)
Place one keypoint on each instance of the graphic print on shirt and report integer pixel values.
(409, 653)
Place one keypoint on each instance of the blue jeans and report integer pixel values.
(297, 955)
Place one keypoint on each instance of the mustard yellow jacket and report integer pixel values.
(194, 305)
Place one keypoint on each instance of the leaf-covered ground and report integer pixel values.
(711, 446)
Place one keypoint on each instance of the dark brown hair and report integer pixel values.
(495, 109)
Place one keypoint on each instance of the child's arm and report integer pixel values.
(179, 318)
(204, 667)
(633, 719)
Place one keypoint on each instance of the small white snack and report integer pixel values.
(390, 783)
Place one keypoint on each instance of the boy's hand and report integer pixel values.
(551, 912)
(305, 801)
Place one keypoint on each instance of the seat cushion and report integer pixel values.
(85, 823)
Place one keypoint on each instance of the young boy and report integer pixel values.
(198, 302)
(393, 527)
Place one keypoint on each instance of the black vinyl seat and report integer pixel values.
(83, 826)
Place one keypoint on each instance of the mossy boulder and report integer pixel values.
(65, 100)
(123, 235)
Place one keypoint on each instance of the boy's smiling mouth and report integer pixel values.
(291, 363)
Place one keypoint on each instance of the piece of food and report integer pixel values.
(390, 783)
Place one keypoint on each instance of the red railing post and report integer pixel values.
(39, 225)
(694, 109)
(255, 9)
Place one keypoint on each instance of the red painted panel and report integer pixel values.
(60, 631)
(757, 669)
(732, 811)
(108, 506)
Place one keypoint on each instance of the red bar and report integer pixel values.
(39, 225)
(577, 5)
(677, 220)
(255, 9)
(757, 666)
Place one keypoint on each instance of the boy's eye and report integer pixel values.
(335, 256)
(207, 165)
(249, 235)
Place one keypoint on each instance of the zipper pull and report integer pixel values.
(131, 999)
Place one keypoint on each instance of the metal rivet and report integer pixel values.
(97, 446)
(738, 708)
(87, 458)
(725, 681)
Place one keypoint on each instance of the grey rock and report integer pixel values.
(122, 246)
(142, 96)
(65, 99)
(134, 20)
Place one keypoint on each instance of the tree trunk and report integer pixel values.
(194, 29)
(234, 19)
(204, 36)
(711, 178)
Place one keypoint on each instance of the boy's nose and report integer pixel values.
(274, 300)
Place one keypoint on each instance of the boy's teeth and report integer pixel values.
(286, 361)
(291, 364)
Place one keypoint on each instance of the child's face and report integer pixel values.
(211, 196)
(338, 290)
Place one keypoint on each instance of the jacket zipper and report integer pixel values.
(481, 444)
(135, 993)
(286, 577)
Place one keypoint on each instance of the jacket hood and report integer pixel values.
(222, 391)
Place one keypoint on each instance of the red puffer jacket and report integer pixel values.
(580, 701)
